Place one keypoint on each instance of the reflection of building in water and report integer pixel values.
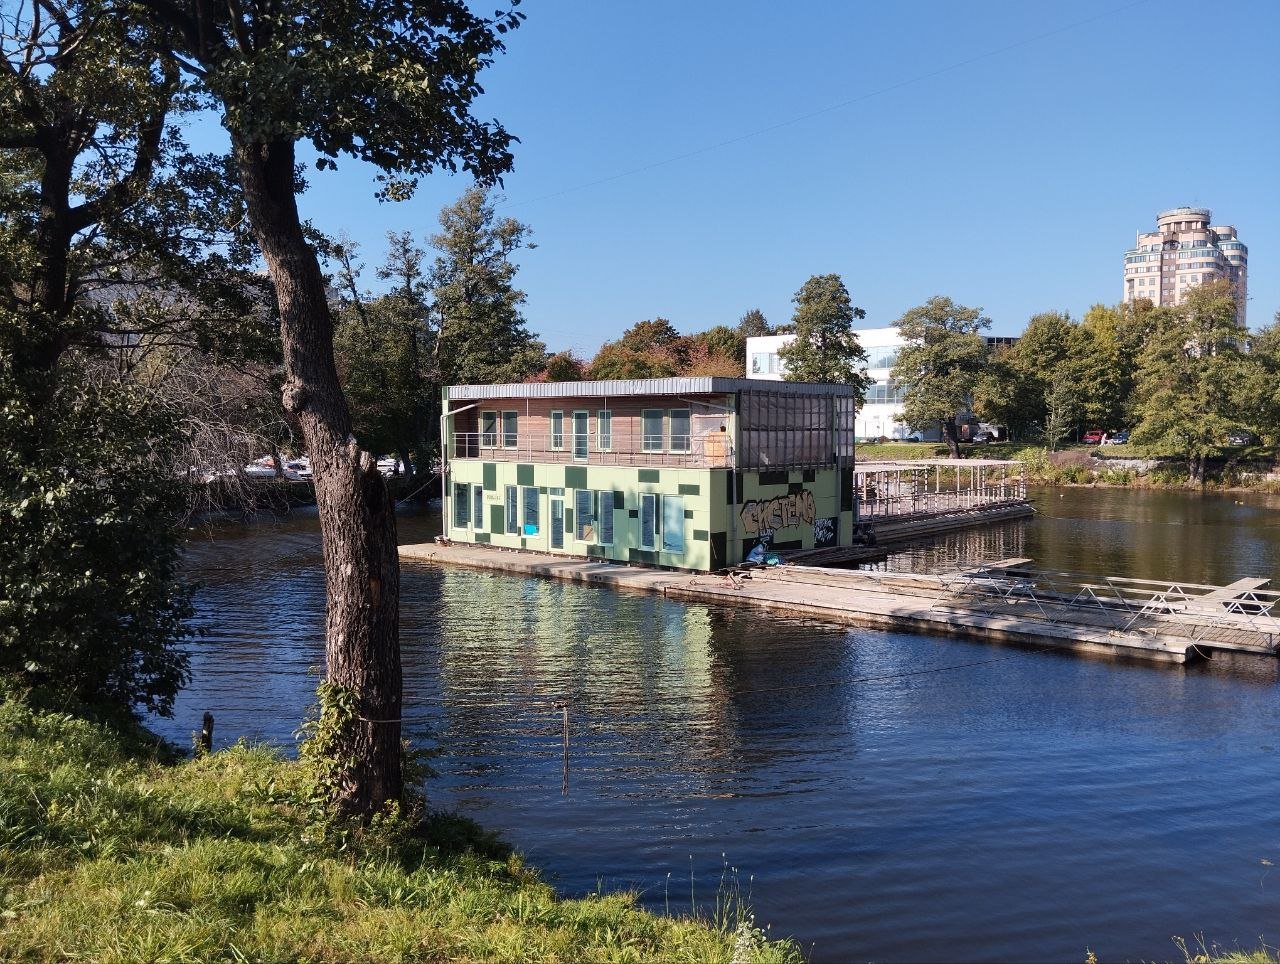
(645, 678)
(964, 547)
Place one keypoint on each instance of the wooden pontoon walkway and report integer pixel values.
(991, 602)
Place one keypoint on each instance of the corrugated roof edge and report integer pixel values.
(642, 386)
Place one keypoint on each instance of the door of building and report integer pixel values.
(557, 523)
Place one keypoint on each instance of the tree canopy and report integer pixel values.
(825, 348)
(940, 363)
(1193, 375)
(482, 335)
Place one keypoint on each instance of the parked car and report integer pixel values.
(1116, 438)
(982, 438)
(914, 437)
(390, 466)
(1242, 438)
(1092, 437)
(298, 469)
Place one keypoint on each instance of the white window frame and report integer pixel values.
(650, 541)
(489, 439)
(557, 431)
(672, 500)
(585, 435)
(647, 440)
(511, 504)
(514, 435)
(671, 435)
(466, 505)
(524, 508)
(604, 510)
(604, 430)
(578, 534)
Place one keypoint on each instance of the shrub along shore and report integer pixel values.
(1250, 467)
(115, 848)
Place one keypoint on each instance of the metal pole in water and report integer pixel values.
(564, 776)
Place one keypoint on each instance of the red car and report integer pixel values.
(1092, 437)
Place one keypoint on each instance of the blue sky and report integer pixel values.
(1001, 153)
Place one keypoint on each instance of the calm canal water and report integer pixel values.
(885, 796)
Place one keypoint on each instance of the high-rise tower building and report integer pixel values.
(1183, 251)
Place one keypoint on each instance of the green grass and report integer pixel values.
(933, 450)
(112, 850)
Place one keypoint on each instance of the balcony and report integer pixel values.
(712, 450)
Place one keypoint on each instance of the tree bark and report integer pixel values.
(357, 516)
(951, 436)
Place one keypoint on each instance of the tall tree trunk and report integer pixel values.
(951, 435)
(357, 516)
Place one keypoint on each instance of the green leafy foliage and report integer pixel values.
(482, 336)
(385, 349)
(564, 366)
(1192, 377)
(1061, 402)
(90, 529)
(940, 364)
(825, 347)
(753, 324)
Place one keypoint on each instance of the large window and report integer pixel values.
(581, 435)
(557, 430)
(489, 429)
(530, 527)
(461, 504)
(604, 430)
(672, 524)
(653, 433)
(648, 521)
(477, 507)
(604, 529)
(681, 430)
(512, 512)
(584, 517)
(510, 421)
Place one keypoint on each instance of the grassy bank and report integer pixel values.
(112, 850)
(1243, 468)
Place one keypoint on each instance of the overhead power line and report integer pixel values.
(800, 118)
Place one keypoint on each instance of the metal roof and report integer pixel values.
(614, 388)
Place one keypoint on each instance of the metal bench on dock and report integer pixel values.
(1240, 616)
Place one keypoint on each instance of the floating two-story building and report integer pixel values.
(689, 473)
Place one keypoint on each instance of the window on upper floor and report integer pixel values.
(681, 430)
(489, 429)
(652, 430)
(604, 430)
(557, 430)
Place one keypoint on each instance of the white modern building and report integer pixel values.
(878, 415)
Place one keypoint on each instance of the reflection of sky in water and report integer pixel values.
(896, 797)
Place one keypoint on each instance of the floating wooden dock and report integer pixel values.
(1005, 601)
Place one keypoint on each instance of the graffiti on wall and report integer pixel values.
(824, 533)
(793, 509)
